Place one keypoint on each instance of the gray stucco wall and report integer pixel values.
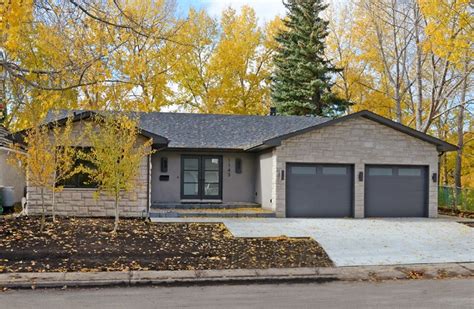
(236, 187)
(263, 183)
(356, 141)
(11, 177)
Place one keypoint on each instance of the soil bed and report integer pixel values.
(457, 213)
(85, 244)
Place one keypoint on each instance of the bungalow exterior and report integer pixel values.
(360, 165)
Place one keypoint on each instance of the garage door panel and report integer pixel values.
(396, 191)
(318, 190)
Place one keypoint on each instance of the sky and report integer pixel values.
(265, 10)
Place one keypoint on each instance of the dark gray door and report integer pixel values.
(201, 177)
(396, 191)
(319, 190)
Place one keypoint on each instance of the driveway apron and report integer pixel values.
(351, 242)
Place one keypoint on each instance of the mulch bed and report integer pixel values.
(457, 213)
(86, 244)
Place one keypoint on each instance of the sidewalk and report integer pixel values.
(126, 278)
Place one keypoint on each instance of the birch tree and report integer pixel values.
(38, 163)
(115, 156)
(64, 155)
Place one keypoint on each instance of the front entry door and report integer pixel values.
(201, 177)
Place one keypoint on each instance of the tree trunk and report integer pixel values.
(398, 102)
(445, 170)
(43, 217)
(116, 222)
(53, 204)
(460, 144)
(419, 77)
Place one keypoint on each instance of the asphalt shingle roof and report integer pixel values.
(222, 131)
(207, 131)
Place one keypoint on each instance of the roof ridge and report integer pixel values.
(190, 113)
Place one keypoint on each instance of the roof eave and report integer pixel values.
(158, 140)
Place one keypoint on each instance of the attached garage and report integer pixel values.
(396, 191)
(319, 190)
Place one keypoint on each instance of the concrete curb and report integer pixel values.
(322, 274)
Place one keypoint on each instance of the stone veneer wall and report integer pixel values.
(357, 141)
(82, 202)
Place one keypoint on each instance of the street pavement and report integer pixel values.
(452, 293)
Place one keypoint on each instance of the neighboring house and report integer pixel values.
(10, 176)
(360, 165)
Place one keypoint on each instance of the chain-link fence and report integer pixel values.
(462, 199)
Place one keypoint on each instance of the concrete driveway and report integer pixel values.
(351, 242)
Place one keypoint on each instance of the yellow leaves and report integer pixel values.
(449, 28)
(38, 161)
(15, 17)
(64, 150)
(116, 153)
(225, 72)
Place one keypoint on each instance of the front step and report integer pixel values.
(201, 206)
(211, 213)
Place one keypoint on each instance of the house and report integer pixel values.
(9, 175)
(360, 165)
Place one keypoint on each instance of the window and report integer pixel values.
(409, 172)
(334, 170)
(380, 171)
(238, 166)
(80, 180)
(164, 165)
(303, 170)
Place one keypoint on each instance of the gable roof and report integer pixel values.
(441, 145)
(242, 132)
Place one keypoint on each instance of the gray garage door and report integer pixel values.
(396, 191)
(319, 190)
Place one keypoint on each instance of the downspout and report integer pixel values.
(148, 193)
(440, 154)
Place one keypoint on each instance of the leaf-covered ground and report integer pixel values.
(458, 213)
(86, 244)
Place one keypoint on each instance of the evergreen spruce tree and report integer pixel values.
(301, 81)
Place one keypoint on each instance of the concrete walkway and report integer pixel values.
(351, 242)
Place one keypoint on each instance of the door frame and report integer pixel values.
(201, 170)
(426, 168)
(353, 180)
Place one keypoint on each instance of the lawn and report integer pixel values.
(85, 244)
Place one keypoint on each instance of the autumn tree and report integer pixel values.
(226, 66)
(38, 162)
(449, 28)
(302, 76)
(79, 54)
(115, 156)
(409, 61)
(64, 154)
